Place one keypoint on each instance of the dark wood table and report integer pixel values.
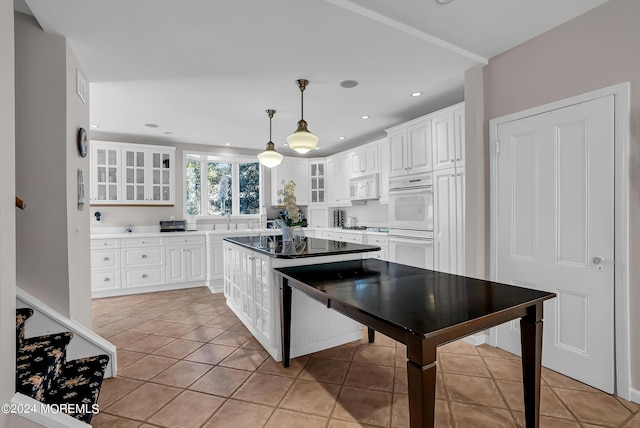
(422, 309)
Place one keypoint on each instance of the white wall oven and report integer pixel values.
(411, 220)
(411, 202)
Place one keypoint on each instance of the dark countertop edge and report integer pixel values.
(368, 248)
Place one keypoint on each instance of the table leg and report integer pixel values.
(285, 320)
(421, 377)
(531, 342)
(372, 334)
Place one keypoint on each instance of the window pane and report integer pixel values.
(249, 188)
(220, 183)
(193, 186)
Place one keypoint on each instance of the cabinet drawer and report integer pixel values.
(97, 244)
(344, 237)
(141, 277)
(105, 259)
(382, 241)
(199, 239)
(142, 242)
(107, 280)
(143, 257)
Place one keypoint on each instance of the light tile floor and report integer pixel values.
(185, 360)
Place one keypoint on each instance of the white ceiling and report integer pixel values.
(207, 70)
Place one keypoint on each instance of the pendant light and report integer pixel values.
(270, 157)
(302, 140)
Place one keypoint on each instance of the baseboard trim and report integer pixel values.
(476, 339)
(634, 395)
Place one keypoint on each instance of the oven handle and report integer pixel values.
(404, 190)
(410, 239)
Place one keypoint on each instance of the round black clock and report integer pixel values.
(82, 142)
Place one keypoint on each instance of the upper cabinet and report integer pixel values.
(291, 169)
(132, 174)
(364, 160)
(384, 152)
(105, 174)
(448, 137)
(148, 175)
(338, 172)
(411, 147)
(317, 182)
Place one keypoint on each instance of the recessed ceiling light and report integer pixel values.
(349, 83)
(317, 148)
(151, 125)
(168, 133)
(94, 126)
(227, 144)
(443, 1)
(341, 138)
(285, 144)
(416, 94)
(365, 117)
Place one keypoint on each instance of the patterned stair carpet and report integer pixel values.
(44, 374)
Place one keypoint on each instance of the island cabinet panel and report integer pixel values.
(252, 292)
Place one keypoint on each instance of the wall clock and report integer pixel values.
(82, 142)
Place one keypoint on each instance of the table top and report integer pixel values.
(308, 247)
(416, 300)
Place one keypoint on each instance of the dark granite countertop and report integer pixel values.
(272, 246)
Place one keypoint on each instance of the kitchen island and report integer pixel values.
(252, 291)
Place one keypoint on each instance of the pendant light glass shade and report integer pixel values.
(302, 141)
(270, 157)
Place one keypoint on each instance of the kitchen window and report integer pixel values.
(216, 185)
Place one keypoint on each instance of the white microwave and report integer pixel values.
(364, 188)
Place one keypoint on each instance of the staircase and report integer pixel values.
(44, 374)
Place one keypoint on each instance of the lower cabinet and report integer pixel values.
(152, 263)
(383, 243)
(186, 261)
(251, 289)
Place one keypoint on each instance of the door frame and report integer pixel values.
(621, 93)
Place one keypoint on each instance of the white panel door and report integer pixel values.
(195, 263)
(444, 220)
(175, 264)
(555, 229)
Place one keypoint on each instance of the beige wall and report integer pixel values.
(598, 49)
(7, 209)
(52, 258)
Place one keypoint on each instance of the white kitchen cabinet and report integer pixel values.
(448, 137)
(142, 262)
(317, 183)
(364, 160)
(186, 261)
(132, 174)
(291, 169)
(338, 173)
(382, 242)
(215, 265)
(384, 151)
(148, 174)
(317, 216)
(105, 264)
(410, 145)
(448, 191)
(106, 174)
(344, 236)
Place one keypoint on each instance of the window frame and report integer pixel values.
(235, 161)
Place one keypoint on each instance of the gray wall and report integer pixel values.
(598, 49)
(53, 261)
(7, 210)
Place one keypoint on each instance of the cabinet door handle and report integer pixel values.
(144, 275)
(106, 259)
(144, 256)
(107, 279)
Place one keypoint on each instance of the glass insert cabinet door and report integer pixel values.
(161, 164)
(317, 187)
(135, 180)
(106, 174)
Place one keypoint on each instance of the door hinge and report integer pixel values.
(497, 147)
